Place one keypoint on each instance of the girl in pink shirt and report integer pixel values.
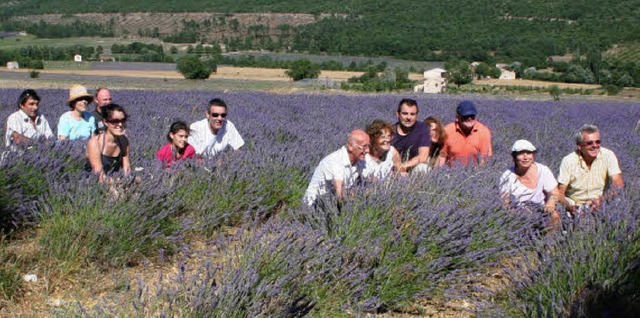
(178, 148)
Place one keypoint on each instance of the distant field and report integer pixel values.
(629, 52)
(159, 70)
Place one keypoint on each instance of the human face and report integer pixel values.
(524, 159)
(359, 148)
(590, 146)
(116, 123)
(383, 142)
(466, 123)
(433, 132)
(408, 115)
(179, 139)
(103, 98)
(216, 115)
(30, 107)
(81, 105)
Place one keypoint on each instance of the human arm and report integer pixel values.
(126, 162)
(64, 128)
(95, 160)
(562, 190)
(337, 186)
(421, 157)
(486, 149)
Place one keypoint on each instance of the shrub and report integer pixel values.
(191, 67)
(302, 69)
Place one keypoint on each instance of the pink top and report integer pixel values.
(166, 155)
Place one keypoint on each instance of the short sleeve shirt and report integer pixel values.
(409, 144)
(519, 193)
(209, 145)
(335, 166)
(19, 122)
(166, 154)
(584, 183)
(74, 129)
(466, 149)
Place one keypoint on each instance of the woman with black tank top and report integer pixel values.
(108, 151)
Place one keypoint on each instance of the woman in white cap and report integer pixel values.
(77, 123)
(529, 182)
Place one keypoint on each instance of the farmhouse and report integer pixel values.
(505, 72)
(13, 65)
(434, 81)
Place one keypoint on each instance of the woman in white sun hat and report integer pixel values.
(529, 182)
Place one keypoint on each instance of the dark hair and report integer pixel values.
(26, 94)
(408, 102)
(176, 127)
(216, 102)
(107, 110)
(442, 135)
(374, 130)
(72, 104)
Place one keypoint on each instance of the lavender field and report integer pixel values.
(396, 246)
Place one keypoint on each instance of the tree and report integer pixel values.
(459, 72)
(484, 70)
(191, 67)
(302, 69)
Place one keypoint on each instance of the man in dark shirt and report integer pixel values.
(103, 98)
(411, 138)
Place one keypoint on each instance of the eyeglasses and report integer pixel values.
(469, 118)
(215, 115)
(363, 147)
(592, 142)
(385, 137)
(116, 121)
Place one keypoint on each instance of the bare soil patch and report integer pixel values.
(532, 83)
(223, 72)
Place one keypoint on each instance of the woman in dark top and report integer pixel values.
(437, 134)
(108, 151)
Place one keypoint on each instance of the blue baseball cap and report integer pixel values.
(467, 108)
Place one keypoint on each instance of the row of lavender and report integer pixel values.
(392, 245)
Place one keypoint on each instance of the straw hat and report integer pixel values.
(78, 91)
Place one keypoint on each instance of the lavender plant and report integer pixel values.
(390, 245)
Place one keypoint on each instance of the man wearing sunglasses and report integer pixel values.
(586, 173)
(215, 133)
(468, 141)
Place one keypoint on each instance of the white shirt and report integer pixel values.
(519, 193)
(21, 123)
(209, 145)
(335, 166)
(381, 170)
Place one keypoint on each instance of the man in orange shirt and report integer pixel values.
(468, 141)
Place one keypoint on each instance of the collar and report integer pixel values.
(26, 117)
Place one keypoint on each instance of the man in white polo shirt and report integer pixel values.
(590, 173)
(215, 133)
(339, 170)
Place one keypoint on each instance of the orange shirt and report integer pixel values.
(463, 149)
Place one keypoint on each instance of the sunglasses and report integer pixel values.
(467, 118)
(215, 115)
(592, 142)
(116, 121)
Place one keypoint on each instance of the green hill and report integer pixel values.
(508, 30)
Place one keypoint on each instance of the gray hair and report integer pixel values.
(586, 128)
